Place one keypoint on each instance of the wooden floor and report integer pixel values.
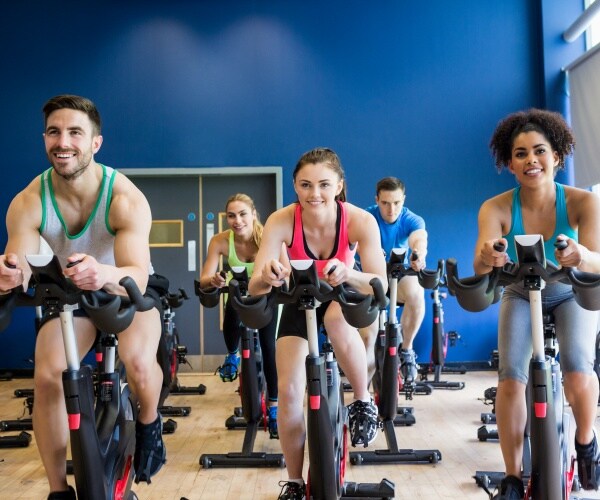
(446, 420)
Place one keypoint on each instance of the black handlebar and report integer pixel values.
(476, 293)
(109, 313)
(397, 267)
(359, 310)
(209, 297)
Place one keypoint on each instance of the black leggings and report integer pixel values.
(232, 332)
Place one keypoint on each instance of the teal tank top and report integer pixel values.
(562, 224)
(233, 258)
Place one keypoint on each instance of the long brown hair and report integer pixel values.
(257, 227)
(328, 156)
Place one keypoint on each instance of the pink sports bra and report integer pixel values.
(342, 250)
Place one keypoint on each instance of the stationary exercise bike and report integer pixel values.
(398, 269)
(171, 353)
(385, 379)
(327, 416)
(252, 388)
(102, 437)
(551, 475)
(440, 341)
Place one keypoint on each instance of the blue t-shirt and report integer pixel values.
(395, 235)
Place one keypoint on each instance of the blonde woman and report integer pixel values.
(239, 245)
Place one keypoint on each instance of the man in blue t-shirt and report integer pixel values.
(401, 228)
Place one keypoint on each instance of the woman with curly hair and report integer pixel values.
(533, 146)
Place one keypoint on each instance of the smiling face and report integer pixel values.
(240, 217)
(532, 158)
(71, 142)
(317, 185)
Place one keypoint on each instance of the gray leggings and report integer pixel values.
(576, 330)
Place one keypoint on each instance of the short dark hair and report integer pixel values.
(78, 103)
(390, 184)
(548, 123)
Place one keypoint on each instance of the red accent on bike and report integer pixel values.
(99, 357)
(540, 409)
(246, 353)
(344, 460)
(393, 350)
(74, 421)
(528, 491)
(315, 402)
(121, 483)
(173, 364)
(436, 320)
(263, 407)
(570, 473)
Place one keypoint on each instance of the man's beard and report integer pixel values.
(82, 164)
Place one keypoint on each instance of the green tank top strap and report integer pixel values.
(562, 225)
(233, 259)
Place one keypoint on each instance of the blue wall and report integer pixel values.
(412, 89)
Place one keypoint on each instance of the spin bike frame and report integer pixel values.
(102, 438)
(327, 415)
(178, 352)
(440, 341)
(385, 379)
(251, 386)
(398, 268)
(551, 474)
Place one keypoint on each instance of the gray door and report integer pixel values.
(195, 202)
(174, 202)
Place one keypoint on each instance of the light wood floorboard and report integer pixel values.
(446, 420)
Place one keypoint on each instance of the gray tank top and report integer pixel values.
(96, 238)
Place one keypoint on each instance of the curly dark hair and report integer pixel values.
(548, 123)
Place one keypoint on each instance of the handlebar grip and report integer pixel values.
(140, 302)
(209, 297)
(473, 294)
(380, 298)
(499, 247)
(254, 311)
(561, 244)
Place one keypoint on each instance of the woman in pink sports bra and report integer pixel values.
(322, 226)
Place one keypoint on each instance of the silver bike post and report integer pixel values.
(69, 338)
(537, 323)
(393, 288)
(311, 330)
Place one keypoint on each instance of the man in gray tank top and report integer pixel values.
(90, 214)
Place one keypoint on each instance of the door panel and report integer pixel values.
(176, 200)
(197, 203)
